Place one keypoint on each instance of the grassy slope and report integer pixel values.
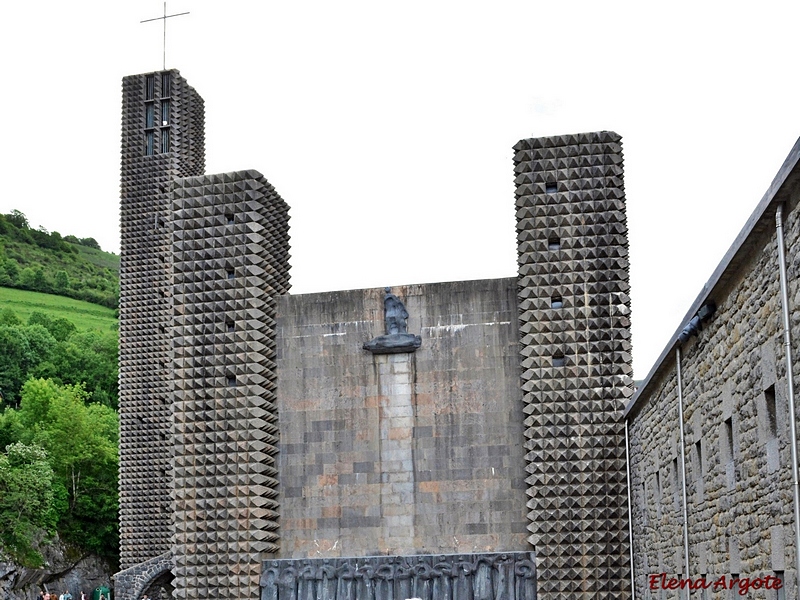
(83, 314)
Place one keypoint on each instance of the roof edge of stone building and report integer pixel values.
(779, 191)
(510, 278)
(552, 141)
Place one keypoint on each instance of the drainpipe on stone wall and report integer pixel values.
(630, 510)
(683, 467)
(787, 337)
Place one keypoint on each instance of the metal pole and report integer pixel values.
(683, 467)
(630, 511)
(787, 338)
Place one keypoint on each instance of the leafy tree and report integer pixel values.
(61, 282)
(58, 327)
(90, 242)
(83, 445)
(23, 349)
(17, 219)
(12, 269)
(9, 317)
(90, 357)
(26, 499)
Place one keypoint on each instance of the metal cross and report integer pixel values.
(164, 18)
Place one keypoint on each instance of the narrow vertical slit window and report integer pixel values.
(149, 87)
(149, 115)
(230, 274)
(165, 85)
(780, 593)
(554, 243)
(165, 112)
(165, 140)
(559, 360)
(230, 326)
(550, 187)
(149, 150)
(729, 438)
(772, 414)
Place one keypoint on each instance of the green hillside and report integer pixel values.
(42, 261)
(84, 315)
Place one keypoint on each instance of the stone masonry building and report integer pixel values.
(265, 453)
(711, 427)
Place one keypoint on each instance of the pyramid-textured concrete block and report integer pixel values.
(575, 358)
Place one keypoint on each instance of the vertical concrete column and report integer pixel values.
(396, 423)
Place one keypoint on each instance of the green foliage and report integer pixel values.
(26, 500)
(33, 259)
(24, 349)
(52, 347)
(59, 327)
(82, 445)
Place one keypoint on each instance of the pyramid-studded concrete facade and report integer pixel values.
(145, 298)
(230, 262)
(204, 258)
(576, 362)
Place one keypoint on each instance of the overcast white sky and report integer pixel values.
(376, 119)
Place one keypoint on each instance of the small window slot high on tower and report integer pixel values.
(550, 187)
(559, 360)
(149, 87)
(166, 88)
(556, 302)
(554, 243)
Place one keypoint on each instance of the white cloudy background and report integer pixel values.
(394, 121)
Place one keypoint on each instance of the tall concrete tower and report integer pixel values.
(576, 362)
(204, 258)
(162, 140)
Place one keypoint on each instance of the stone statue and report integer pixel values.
(397, 339)
(394, 313)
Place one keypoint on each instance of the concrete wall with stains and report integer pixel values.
(405, 453)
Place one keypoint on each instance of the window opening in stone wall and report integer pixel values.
(729, 438)
(148, 143)
(165, 112)
(559, 360)
(676, 484)
(230, 273)
(149, 115)
(165, 140)
(556, 302)
(230, 326)
(149, 87)
(734, 591)
(645, 519)
(231, 381)
(554, 243)
(780, 594)
(772, 414)
(699, 469)
(229, 218)
(659, 494)
(550, 187)
(165, 85)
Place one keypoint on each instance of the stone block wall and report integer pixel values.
(407, 453)
(575, 357)
(737, 454)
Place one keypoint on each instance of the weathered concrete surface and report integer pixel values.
(417, 453)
